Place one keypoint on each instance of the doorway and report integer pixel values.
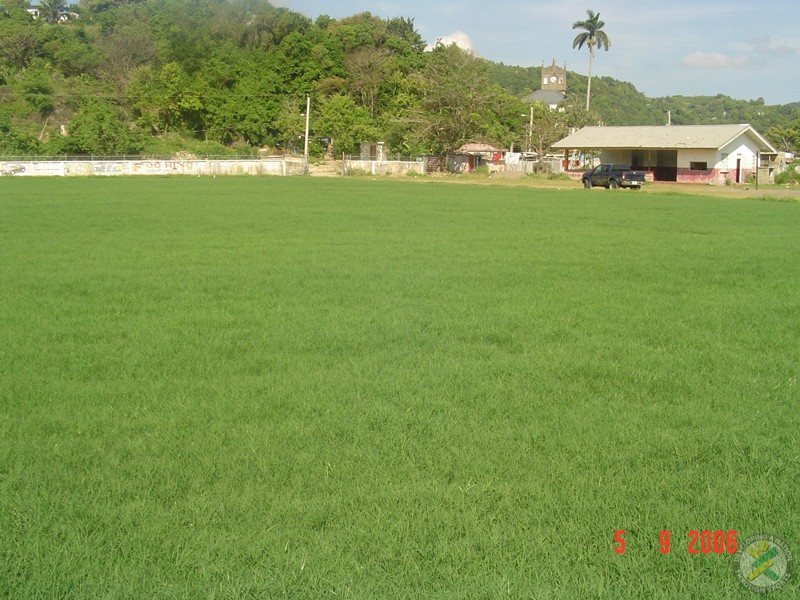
(666, 165)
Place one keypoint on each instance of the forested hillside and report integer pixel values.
(617, 102)
(230, 76)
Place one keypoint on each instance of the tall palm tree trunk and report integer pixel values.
(589, 84)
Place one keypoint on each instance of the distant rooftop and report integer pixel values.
(548, 97)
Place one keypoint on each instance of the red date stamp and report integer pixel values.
(699, 542)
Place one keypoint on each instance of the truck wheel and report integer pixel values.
(587, 184)
(613, 184)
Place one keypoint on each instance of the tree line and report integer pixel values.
(231, 76)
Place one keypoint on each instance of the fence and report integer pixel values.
(545, 165)
(82, 166)
(355, 165)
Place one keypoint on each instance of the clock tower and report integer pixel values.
(554, 78)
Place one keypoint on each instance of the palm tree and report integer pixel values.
(51, 10)
(592, 36)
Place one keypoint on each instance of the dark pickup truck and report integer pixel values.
(613, 176)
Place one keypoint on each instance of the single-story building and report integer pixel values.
(472, 155)
(682, 153)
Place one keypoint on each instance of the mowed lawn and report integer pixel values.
(347, 388)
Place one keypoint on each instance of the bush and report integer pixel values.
(357, 173)
(789, 176)
(549, 176)
(14, 142)
(169, 144)
(99, 128)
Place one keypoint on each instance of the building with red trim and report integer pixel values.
(709, 154)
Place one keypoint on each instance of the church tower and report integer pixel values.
(554, 78)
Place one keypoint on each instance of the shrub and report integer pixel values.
(789, 176)
(14, 142)
(98, 128)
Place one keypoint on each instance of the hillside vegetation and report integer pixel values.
(620, 103)
(232, 76)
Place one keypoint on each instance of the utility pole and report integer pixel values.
(758, 164)
(308, 113)
(530, 130)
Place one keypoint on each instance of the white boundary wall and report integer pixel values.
(66, 168)
(383, 167)
(515, 163)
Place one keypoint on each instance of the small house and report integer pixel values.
(471, 156)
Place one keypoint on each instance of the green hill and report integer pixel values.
(232, 76)
(620, 103)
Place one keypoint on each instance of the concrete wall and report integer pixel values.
(710, 175)
(515, 164)
(354, 166)
(67, 168)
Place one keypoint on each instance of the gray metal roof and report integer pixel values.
(547, 96)
(674, 137)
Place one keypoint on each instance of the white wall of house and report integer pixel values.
(738, 151)
(687, 157)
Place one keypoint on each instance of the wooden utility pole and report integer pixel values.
(308, 114)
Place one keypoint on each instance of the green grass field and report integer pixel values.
(328, 388)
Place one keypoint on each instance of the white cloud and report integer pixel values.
(459, 38)
(777, 45)
(713, 60)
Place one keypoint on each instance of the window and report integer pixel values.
(698, 166)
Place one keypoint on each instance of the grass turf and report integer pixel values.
(268, 387)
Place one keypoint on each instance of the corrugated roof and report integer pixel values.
(478, 147)
(547, 96)
(661, 136)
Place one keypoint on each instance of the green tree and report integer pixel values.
(164, 99)
(290, 123)
(14, 142)
(343, 123)
(98, 129)
(20, 43)
(14, 9)
(575, 114)
(786, 137)
(71, 50)
(50, 11)
(360, 31)
(456, 100)
(404, 38)
(593, 35)
(546, 127)
(123, 50)
(35, 86)
(367, 69)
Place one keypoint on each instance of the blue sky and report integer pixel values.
(740, 48)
